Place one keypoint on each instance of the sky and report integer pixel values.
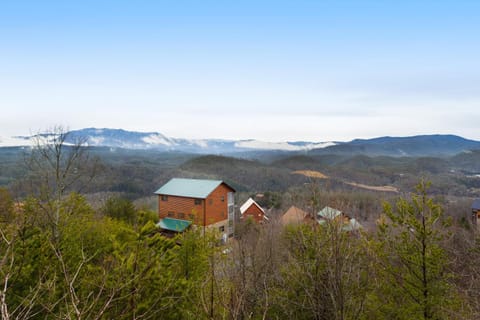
(270, 70)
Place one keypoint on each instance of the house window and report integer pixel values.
(171, 214)
(198, 201)
(181, 215)
(222, 229)
(222, 198)
(191, 217)
(164, 198)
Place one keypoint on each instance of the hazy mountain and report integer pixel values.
(118, 138)
(424, 145)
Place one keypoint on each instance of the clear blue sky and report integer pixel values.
(271, 70)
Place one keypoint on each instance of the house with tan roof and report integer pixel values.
(294, 215)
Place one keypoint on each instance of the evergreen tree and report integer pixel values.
(414, 282)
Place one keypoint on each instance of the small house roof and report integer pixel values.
(293, 215)
(191, 188)
(476, 204)
(352, 225)
(172, 224)
(328, 213)
(249, 203)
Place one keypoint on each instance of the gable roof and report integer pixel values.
(191, 188)
(293, 215)
(476, 204)
(328, 213)
(249, 203)
(352, 225)
(173, 224)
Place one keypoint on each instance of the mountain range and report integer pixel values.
(422, 145)
(119, 138)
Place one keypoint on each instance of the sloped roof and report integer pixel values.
(293, 215)
(352, 225)
(328, 213)
(173, 224)
(476, 204)
(249, 203)
(191, 188)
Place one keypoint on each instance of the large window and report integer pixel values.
(198, 201)
(164, 198)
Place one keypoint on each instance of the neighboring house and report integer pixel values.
(329, 214)
(476, 212)
(251, 209)
(205, 203)
(294, 215)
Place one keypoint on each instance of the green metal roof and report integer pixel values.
(173, 224)
(328, 213)
(192, 188)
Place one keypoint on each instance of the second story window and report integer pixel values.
(164, 198)
(198, 201)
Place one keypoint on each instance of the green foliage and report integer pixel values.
(121, 209)
(98, 266)
(60, 259)
(6, 205)
(124, 210)
(326, 274)
(415, 283)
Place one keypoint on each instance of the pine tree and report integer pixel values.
(414, 282)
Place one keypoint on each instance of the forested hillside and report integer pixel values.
(63, 259)
(74, 244)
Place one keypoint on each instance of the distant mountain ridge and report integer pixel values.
(119, 138)
(421, 145)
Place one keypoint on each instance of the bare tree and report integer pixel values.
(58, 165)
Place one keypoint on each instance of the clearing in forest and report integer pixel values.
(311, 174)
(319, 175)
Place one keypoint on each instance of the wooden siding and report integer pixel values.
(181, 205)
(211, 210)
(216, 208)
(254, 212)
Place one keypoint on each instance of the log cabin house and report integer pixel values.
(251, 209)
(203, 203)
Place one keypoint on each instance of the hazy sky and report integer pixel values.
(273, 70)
